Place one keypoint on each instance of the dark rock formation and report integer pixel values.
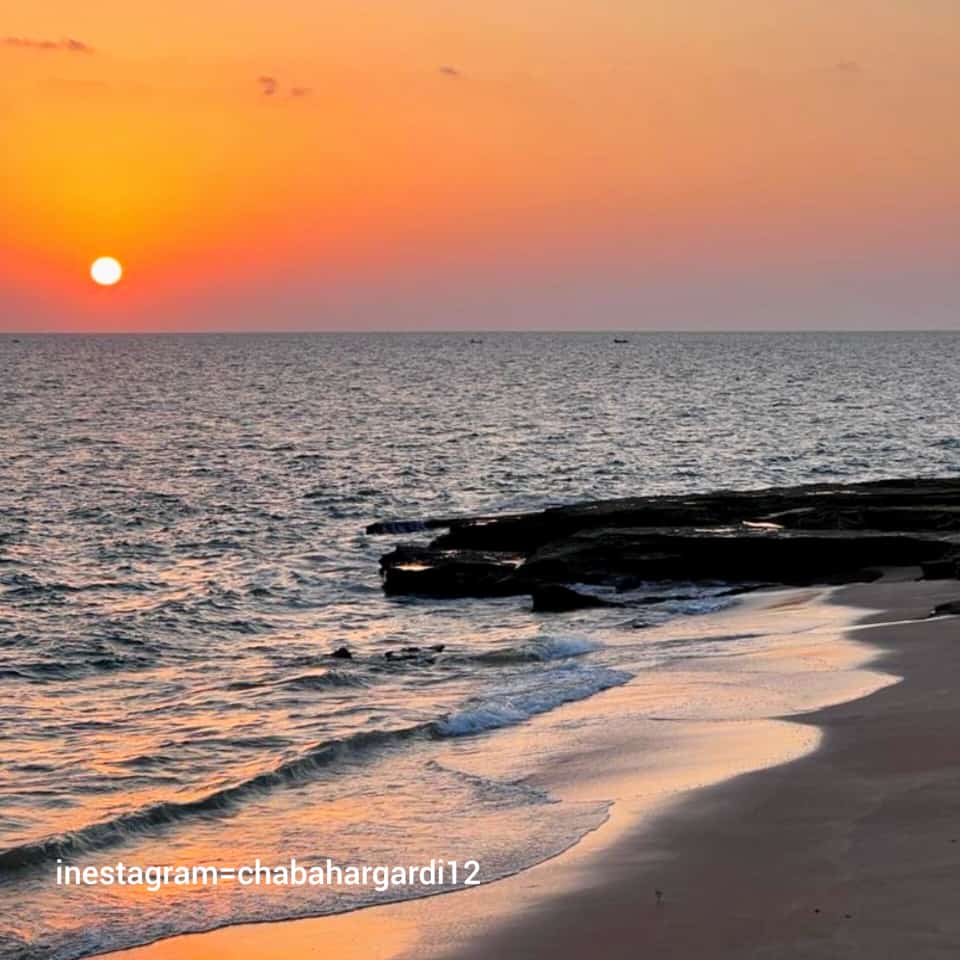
(555, 598)
(949, 609)
(405, 526)
(342, 653)
(822, 533)
(945, 569)
(787, 557)
(428, 572)
(888, 505)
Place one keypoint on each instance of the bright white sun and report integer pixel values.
(106, 271)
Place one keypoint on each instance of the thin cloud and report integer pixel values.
(268, 85)
(66, 45)
(450, 71)
(848, 67)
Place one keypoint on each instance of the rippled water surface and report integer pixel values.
(182, 546)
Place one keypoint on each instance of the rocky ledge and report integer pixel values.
(796, 536)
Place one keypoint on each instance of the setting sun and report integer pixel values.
(106, 271)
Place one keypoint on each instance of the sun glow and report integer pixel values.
(106, 271)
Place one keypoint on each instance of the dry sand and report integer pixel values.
(850, 851)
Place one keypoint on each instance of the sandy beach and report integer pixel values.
(478, 479)
(850, 850)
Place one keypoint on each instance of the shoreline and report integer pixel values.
(605, 882)
(848, 851)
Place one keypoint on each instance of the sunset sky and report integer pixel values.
(425, 164)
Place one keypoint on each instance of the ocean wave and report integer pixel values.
(518, 703)
(49, 671)
(116, 830)
(515, 703)
(324, 680)
(321, 681)
(548, 648)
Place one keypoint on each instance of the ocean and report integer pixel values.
(182, 546)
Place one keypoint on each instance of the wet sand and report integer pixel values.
(852, 850)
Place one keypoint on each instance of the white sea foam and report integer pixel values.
(571, 645)
(542, 649)
(518, 702)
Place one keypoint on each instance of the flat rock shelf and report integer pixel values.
(796, 536)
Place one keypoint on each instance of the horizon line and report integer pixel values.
(491, 331)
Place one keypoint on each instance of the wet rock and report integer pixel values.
(946, 569)
(901, 505)
(426, 572)
(860, 575)
(404, 526)
(949, 609)
(342, 653)
(555, 598)
(786, 557)
(795, 536)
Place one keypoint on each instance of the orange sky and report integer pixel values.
(621, 164)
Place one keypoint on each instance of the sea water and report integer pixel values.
(182, 546)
